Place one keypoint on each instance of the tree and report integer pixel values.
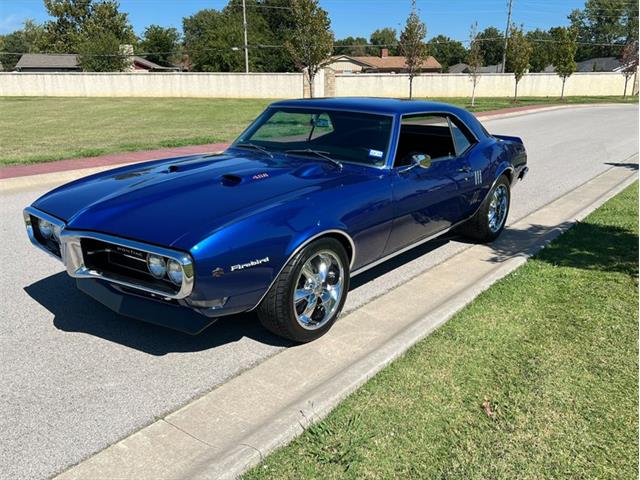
(102, 53)
(491, 45)
(76, 22)
(447, 51)
(311, 42)
(605, 23)
(541, 55)
(629, 61)
(21, 41)
(280, 25)
(518, 53)
(161, 44)
(564, 52)
(412, 45)
(384, 38)
(351, 46)
(474, 60)
(214, 40)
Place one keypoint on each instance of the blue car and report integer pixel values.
(312, 193)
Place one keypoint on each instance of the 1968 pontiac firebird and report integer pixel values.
(311, 194)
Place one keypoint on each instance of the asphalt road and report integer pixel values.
(75, 377)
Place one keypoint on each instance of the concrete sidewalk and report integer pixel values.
(232, 428)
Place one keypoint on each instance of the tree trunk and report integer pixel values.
(410, 87)
(515, 94)
(626, 80)
(311, 77)
(564, 79)
(473, 95)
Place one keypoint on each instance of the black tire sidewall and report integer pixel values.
(300, 333)
(503, 180)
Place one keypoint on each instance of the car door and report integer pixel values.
(431, 196)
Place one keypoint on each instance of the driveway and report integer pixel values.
(75, 377)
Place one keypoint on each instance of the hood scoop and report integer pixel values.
(229, 180)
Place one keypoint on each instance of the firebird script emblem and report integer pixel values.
(252, 263)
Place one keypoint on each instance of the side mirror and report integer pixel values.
(421, 160)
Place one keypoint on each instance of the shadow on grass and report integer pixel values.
(593, 246)
(588, 246)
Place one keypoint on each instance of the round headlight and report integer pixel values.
(45, 228)
(174, 272)
(156, 265)
(56, 233)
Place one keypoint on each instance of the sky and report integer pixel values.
(348, 17)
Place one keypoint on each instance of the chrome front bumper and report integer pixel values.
(72, 257)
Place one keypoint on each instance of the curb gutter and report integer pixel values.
(232, 428)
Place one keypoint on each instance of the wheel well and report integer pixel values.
(345, 241)
(509, 174)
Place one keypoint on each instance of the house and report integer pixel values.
(464, 68)
(44, 62)
(48, 62)
(385, 63)
(599, 64)
(143, 65)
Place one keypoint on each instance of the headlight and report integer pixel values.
(156, 265)
(45, 228)
(174, 272)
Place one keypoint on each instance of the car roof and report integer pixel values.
(387, 106)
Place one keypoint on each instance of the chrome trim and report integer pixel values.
(404, 249)
(30, 211)
(72, 255)
(300, 247)
(430, 237)
(390, 164)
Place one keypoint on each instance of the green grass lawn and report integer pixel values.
(49, 128)
(537, 378)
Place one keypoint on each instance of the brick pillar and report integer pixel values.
(329, 82)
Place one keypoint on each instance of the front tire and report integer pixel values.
(308, 295)
(489, 221)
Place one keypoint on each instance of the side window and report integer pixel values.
(461, 138)
(424, 135)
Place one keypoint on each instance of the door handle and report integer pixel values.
(465, 169)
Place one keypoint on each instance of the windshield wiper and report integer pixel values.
(317, 153)
(253, 146)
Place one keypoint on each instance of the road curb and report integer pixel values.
(233, 427)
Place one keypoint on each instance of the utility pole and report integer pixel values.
(506, 38)
(246, 44)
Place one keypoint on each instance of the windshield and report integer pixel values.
(344, 136)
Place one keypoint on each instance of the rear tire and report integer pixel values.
(308, 295)
(488, 222)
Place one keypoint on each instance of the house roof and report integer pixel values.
(459, 68)
(46, 60)
(389, 62)
(598, 64)
(151, 65)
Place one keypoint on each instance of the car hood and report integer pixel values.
(165, 201)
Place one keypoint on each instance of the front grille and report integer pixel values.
(49, 243)
(122, 264)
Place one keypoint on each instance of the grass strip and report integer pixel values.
(537, 378)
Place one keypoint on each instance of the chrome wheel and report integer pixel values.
(498, 208)
(319, 290)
